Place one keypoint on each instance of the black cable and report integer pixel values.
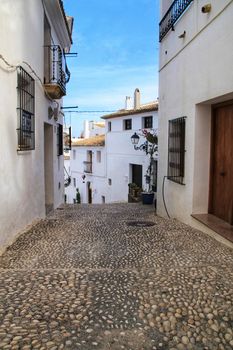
(88, 111)
(164, 197)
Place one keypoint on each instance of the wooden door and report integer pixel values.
(221, 191)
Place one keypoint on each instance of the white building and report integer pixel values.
(33, 78)
(125, 164)
(102, 167)
(88, 170)
(196, 113)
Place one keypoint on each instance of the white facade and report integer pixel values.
(93, 128)
(91, 182)
(195, 74)
(109, 178)
(121, 155)
(32, 180)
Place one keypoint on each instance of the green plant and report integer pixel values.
(151, 150)
(78, 196)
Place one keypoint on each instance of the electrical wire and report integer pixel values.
(90, 111)
(164, 197)
(12, 68)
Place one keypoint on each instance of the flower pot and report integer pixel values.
(147, 198)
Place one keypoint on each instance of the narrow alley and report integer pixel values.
(115, 277)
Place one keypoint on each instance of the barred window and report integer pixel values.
(176, 150)
(59, 139)
(147, 122)
(25, 110)
(127, 124)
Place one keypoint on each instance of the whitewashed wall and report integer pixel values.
(121, 154)
(22, 190)
(195, 72)
(117, 157)
(97, 178)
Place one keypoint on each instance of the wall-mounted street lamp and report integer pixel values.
(135, 139)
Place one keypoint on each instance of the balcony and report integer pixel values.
(56, 73)
(174, 12)
(87, 167)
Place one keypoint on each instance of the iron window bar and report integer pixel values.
(148, 122)
(25, 110)
(57, 70)
(176, 150)
(174, 12)
(59, 139)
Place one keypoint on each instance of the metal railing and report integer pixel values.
(174, 12)
(56, 71)
(87, 167)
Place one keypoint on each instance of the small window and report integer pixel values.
(176, 150)
(26, 110)
(74, 154)
(147, 122)
(127, 124)
(74, 182)
(109, 126)
(59, 139)
(98, 156)
(110, 182)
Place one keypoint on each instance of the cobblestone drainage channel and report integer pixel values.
(137, 223)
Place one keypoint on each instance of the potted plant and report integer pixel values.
(151, 149)
(78, 196)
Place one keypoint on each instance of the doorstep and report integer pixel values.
(214, 223)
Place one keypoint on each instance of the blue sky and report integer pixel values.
(117, 45)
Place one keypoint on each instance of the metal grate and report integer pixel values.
(59, 139)
(176, 150)
(174, 12)
(25, 110)
(140, 223)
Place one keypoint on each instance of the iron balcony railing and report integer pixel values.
(174, 12)
(56, 70)
(87, 167)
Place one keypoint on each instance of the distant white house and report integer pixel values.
(34, 36)
(103, 166)
(196, 114)
(87, 170)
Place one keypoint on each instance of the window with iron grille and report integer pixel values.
(25, 110)
(59, 139)
(127, 124)
(148, 122)
(176, 150)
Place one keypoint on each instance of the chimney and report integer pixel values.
(137, 99)
(86, 132)
(128, 102)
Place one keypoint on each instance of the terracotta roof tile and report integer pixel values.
(148, 107)
(95, 141)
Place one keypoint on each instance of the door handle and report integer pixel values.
(222, 173)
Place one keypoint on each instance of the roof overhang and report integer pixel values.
(57, 16)
(131, 112)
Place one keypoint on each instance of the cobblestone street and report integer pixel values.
(88, 278)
